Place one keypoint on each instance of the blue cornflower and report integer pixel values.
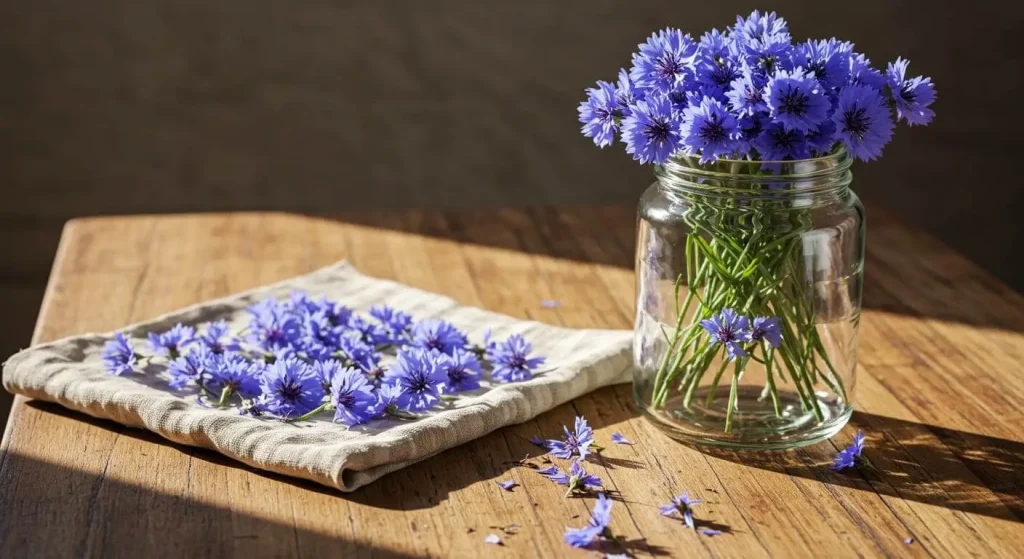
(319, 337)
(272, 327)
(862, 73)
(863, 122)
(236, 373)
(511, 360)
(751, 128)
(822, 138)
(717, 64)
(912, 96)
(796, 100)
(358, 353)
(599, 113)
(619, 438)
(580, 480)
(462, 370)
(683, 504)
(729, 329)
(291, 388)
(194, 366)
(777, 143)
(576, 480)
(434, 333)
(844, 459)
(827, 61)
(847, 458)
(325, 371)
(369, 332)
(171, 342)
(396, 322)
(759, 25)
(768, 329)
(626, 94)
(652, 131)
(596, 528)
(746, 94)
(352, 398)
(387, 398)
(118, 355)
(577, 442)
(420, 375)
(217, 338)
(765, 40)
(710, 130)
(337, 314)
(301, 303)
(663, 60)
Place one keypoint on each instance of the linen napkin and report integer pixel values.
(71, 373)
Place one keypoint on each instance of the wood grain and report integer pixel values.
(939, 397)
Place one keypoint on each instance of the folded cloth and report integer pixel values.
(70, 372)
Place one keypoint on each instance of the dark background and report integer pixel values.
(150, 106)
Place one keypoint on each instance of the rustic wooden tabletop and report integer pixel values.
(939, 396)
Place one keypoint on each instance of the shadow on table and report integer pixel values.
(942, 467)
(924, 463)
(55, 511)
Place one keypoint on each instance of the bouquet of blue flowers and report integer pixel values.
(751, 93)
(752, 136)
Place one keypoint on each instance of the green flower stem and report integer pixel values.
(323, 407)
(692, 279)
(733, 395)
(770, 383)
(733, 260)
(225, 393)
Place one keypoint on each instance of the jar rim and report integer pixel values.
(743, 169)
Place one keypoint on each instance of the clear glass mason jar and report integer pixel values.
(779, 247)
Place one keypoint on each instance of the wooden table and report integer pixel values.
(939, 395)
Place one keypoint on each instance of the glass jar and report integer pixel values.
(749, 282)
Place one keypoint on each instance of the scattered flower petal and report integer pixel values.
(908, 541)
(709, 532)
(596, 528)
(619, 438)
(493, 539)
(555, 474)
(550, 303)
(507, 485)
(682, 505)
(536, 440)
